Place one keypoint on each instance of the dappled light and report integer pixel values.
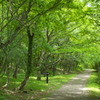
(75, 89)
(45, 44)
(75, 78)
(87, 76)
(84, 89)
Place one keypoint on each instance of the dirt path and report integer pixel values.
(74, 89)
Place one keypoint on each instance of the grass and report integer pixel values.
(93, 86)
(34, 89)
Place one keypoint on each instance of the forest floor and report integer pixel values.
(60, 87)
(74, 89)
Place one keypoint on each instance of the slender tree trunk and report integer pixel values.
(7, 71)
(15, 72)
(54, 70)
(29, 64)
(8, 77)
(16, 69)
(40, 65)
(39, 75)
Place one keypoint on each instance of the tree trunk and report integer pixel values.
(16, 68)
(29, 64)
(8, 75)
(54, 70)
(41, 58)
(15, 72)
(39, 76)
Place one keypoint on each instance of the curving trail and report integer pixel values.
(74, 89)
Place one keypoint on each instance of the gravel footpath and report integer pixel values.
(74, 89)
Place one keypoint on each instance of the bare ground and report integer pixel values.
(74, 89)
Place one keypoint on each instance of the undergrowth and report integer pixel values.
(34, 89)
(93, 86)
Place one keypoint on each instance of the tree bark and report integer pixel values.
(8, 77)
(29, 63)
(15, 72)
(39, 76)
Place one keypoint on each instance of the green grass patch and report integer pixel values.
(93, 86)
(34, 88)
(54, 81)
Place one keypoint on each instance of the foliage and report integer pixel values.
(64, 34)
(93, 86)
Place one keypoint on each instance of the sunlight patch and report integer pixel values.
(86, 76)
(84, 89)
(94, 89)
(42, 90)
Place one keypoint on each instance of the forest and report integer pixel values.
(56, 37)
